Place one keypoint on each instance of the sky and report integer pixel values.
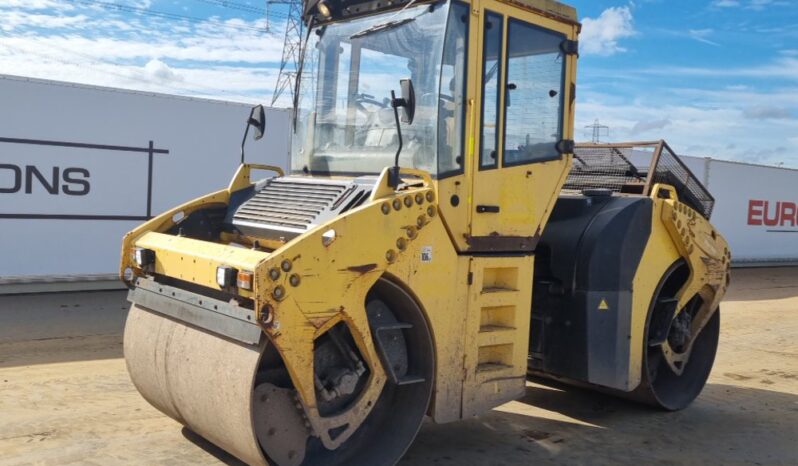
(715, 78)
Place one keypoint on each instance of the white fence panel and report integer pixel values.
(82, 165)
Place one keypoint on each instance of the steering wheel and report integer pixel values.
(361, 99)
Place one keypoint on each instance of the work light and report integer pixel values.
(226, 276)
(324, 9)
(143, 257)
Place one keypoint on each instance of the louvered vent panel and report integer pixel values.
(289, 204)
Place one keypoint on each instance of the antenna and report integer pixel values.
(598, 130)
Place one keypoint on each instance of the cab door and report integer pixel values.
(523, 131)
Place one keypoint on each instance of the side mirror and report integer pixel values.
(257, 119)
(408, 103)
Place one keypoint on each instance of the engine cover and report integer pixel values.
(285, 207)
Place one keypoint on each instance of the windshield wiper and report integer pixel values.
(381, 27)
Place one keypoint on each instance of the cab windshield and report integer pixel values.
(345, 122)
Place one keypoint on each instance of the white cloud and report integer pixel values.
(726, 3)
(236, 61)
(649, 126)
(601, 36)
(160, 71)
(756, 5)
(783, 67)
(10, 20)
(767, 112)
(723, 124)
(702, 35)
(35, 4)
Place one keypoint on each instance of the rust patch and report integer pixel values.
(497, 243)
(318, 321)
(361, 269)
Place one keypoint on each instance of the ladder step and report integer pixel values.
(498, 289)
(495, 328)
(492, 367)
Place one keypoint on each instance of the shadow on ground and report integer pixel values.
(727, 424)
(210, 448)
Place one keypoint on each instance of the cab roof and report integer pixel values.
(344, 9)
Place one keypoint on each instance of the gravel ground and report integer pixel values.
(65, 397)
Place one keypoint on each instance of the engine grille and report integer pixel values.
(282, 208)
(289, 203)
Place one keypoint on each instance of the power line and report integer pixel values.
(598, 130)
(292, 46)
(235, 6)
(246, 8)
(165, 15)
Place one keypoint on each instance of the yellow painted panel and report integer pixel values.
(196, 261)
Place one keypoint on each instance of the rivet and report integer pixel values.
(397, 204)
(274, 273)
(386, 208)
(431, 211)
(401, 244)
(421, 221)
(419, 198)
(390, 255)
(285, 265)
(411, 232)
(408, 201)
(430, 196)
(294, 280)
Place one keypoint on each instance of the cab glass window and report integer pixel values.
(491, 73)
(534, 94)
(452, 96)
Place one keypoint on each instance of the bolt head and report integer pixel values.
(278, 293)
(285, 265)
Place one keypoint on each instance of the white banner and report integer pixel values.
(77, 169)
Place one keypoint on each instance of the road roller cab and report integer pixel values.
(317, 316)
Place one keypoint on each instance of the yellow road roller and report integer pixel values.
(438, 239)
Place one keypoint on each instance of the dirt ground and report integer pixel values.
(65, 397)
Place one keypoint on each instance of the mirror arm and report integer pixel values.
(393, 178)
(243, 142)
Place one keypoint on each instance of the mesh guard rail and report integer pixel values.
(634, 168)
